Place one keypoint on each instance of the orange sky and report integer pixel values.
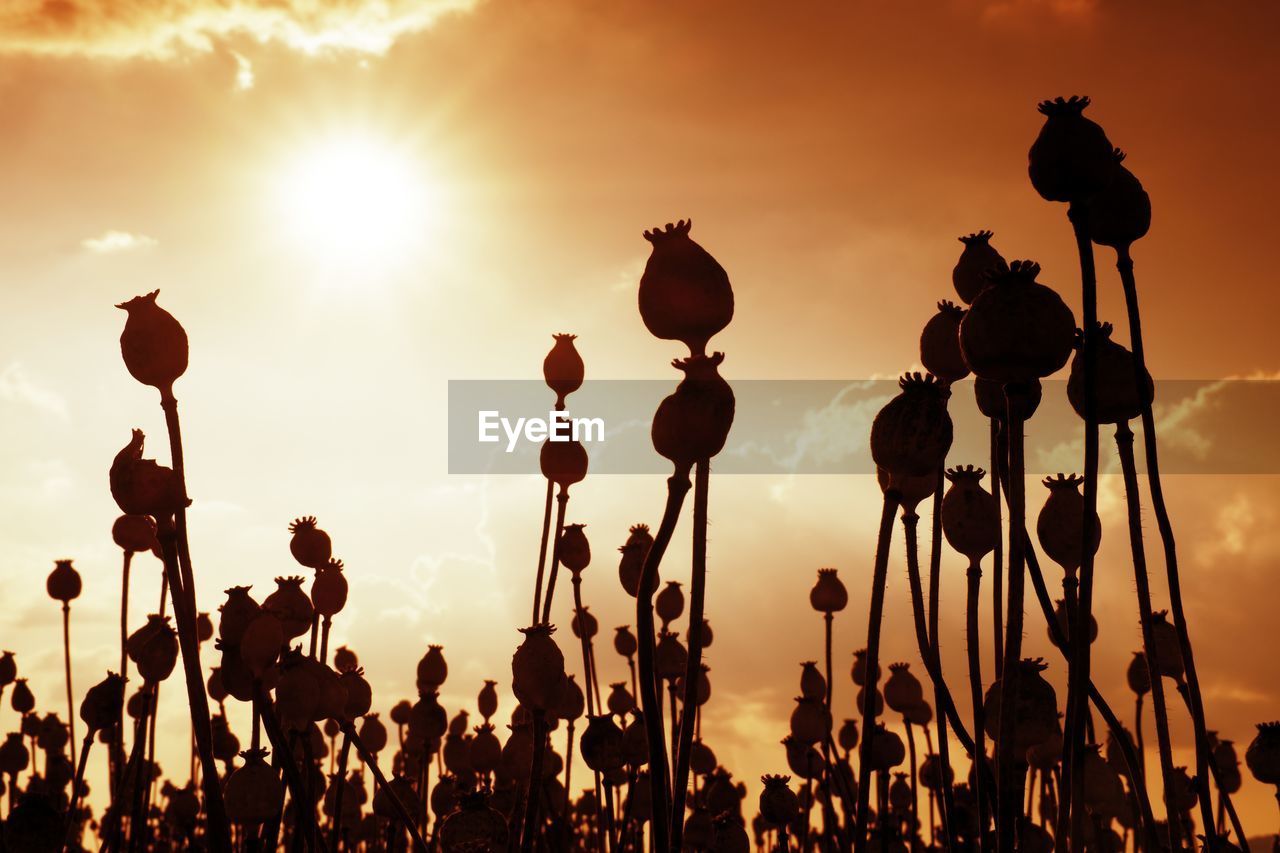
(828, 156)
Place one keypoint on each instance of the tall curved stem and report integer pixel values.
(974, 576)
(542, 552)
(997, 554)
(1008, 779)
(562, 503)
(66, 662)
(693, 666)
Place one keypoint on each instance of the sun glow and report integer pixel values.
(357, 201)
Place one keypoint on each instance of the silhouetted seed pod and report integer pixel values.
(487, 701)
(234, 672)
(969, 276)
(291, 606)
(253, 793)
(30, 725)
(563, 462)
(620, 700)
(235, 614)
(584, 624)
(602, 744)
(992, 402)
(1104, 793)
(722, 796)
(779, 805)
(403, 790)
(911, 435)
(1064, 623)
(903, 690)
(135, 533)
(432, 669)
(970, 516)
(1167, 651)
(1119, 214)
(1046, 754)
(261, 643)
(103, 703)
(204, 628)
(812, 684)
(297, 693)
(575, 551)
(143, 486)
(1228, 764)
(707, 636)
(1118, 397)
(878, 701)
(458, 725)
(8, 669)
(14, 756)
(563, 369)
(456, 753)
(703, 694)
(847, 737)
(359, 694)
(810, 722)
(920, 714)
(310, 545)
(21, 699)
(52, 737)
(474, 826)
(486, 751)
(345, 660)
(1072, 158)
(859, 672)
(537, 669)
(698, 830)
(828, 594)
(1138, 676)
(517, 753)
(702, 761)
(428, 721)
(940, 344)
(886, 749)
(521, 716)
(1182, 792)
(329, 589)
(153, 343)
(154, 648)
(729, 835)
(1060, 526)
(909, 490)
(1115, 753)
(693, 423)
(214, 686)
(1017, 330)
(1033, 838)
(685, 294)
(931, 773)
(635, 741)
(63, 583)
(624, 642)
(1037, 708)
(669, 656)
(669, 603)
(900, 794)
(631, 566)
(1262, 756)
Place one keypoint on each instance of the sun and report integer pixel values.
(356, 201)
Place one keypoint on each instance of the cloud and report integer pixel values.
(244, 71)
(113, 242)
(164, 29)
(17, 387)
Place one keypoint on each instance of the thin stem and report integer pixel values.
(66, 661)
(117, 745)
(542, 552)
(997, 554)
(372, 763)
(324, 639)
(942, 696)
(973, 640)
(915, 796)
(1009, 792)
(529, 827)
(70, 822)
(562, 503)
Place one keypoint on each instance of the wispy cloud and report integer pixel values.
(244, 71)
(113, 242)
(17, 387)
(163, 29)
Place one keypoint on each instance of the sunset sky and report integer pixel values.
(348, 208)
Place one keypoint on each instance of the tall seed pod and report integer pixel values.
(432, 669)
(345, 660)
(309, 545)
(254, 793)
(475, 825)
(291, 606)
(702, 691)
(143, 486)
(235, 614)
(584, 625)
(601, 744)
(812, 684)
(1119, 214)
(859, 671)
(940, 344)
(903, 690)
(692, 424)
(329, 589)
(1017, 330)
(624, 642)
(563, 462)
(779, 805)
(1167, 650)
(635, 741)
(669, 604)
(1037, 709)
(153, 343)
(634, 551)
(153, 648)
(1263, 754)
(487, 701)
(260, 645)
(297, 692)
(22, 699)
(563, 369)
(103, 704)
(537, 669)
(486, 751)
(911, 435)
(670, 658)
(359, 694)
(810, 720)
(969, 276)
(620, 701)
(1060, 526)
(1071, 159)
(828, 594)
(685, 294)
(135, 533)
(1137, 674)
(575, 550)
(970, 517)
(63, 583)
(887, 750)
(1118, 398)
(909, 489)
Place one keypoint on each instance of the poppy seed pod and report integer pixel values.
(402, 790)
(584, 624)
(886, 749)
(810, 721)
(563, 369)
(685, 294)
(779, 805)
(233, 673)
(475, 825)
(847, 737)
(204, 628)
(1104, 793)
(345, 660)
(1045, 754)
(8, 669)
(154, 648)
(22, 699)
(993, 403)
(574, 549)
(103, 703)
(1037, 708)
(359, 694)
(134, 533)
(1064, 623)
(487, 701)
(310, 545)
(486, 751)
(153, 343)
(214, 686)
(1060, 526)
(1119, 214)
(669, 656)
(635, 741)
(812, 684)
(703, 693)
(235, 614)
(624, 642)
(903, 690)
(878, 701)
(912, 433)
(291, 606)
(458, 725)
(702, 761)
(693, 422)
(729, 834)
(909, 489)
(52, 737)
(261, 643)
(828, 594)
(329, 589)
(900, 798)
(297, 693)
(537, 669)
(253, 793)
(563, 462)
(631, 566)
(970, 515)
(940, 344)
(1017, 329)
(14, 756)
(1138, 676)
(1118, 398)
(1071, 158)
(432, 669)
(669, 604)
(1167, 650)
(1263, 754)
(63, 583)
(707, 636)
(143, 486)
(969, 276)
(373, 734)
(601, 743)
(859, 672)
(920, 714)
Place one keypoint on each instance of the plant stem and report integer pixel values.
(69, 823)
(1009, 792)
(997, 554)
(562, 503)
(402, 813)
(972, 639)
(117, 745)
(915, 796)
(66, 661)
(542, 552)
(529, 827)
